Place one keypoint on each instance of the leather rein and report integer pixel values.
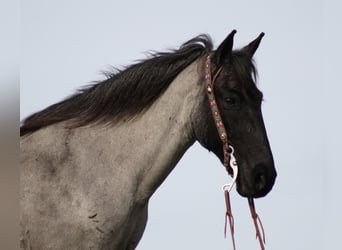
(229, 160)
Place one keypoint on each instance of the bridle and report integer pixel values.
(229, 160)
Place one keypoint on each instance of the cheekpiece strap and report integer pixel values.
(216, 113)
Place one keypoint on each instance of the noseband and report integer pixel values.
(229, 160)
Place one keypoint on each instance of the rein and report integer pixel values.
(229, 160)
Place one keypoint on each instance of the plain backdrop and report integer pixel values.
(66, 44)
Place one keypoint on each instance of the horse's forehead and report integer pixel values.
(239, 79)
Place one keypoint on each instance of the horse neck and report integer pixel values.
(156, 141)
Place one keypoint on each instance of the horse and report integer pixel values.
(90, 163)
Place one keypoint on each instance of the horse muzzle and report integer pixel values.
(258, 182)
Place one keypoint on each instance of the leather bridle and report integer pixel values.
(229, 160)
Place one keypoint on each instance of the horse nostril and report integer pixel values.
(260, 181)
(263, 180)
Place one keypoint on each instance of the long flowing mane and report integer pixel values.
(125, 93)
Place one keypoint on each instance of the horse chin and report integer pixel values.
(251, 194)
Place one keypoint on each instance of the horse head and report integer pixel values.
(239, 101)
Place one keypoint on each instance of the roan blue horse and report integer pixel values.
(90, 163)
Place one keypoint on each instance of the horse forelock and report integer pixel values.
(244, 69)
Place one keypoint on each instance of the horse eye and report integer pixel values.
(231, 101)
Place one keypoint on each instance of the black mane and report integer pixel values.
(125, 93)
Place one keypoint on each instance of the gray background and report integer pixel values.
(65, 44)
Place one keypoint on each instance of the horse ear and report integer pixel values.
(225, 49)
(253, 46)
